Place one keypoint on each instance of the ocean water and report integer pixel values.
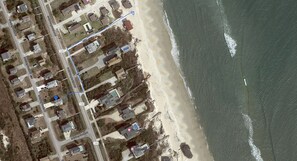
(239, 60)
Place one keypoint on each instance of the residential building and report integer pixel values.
(92, 47)
(104, 11)
(68, 10)
(68, 127)
(30, 121)
(34, 133)
(88, 28)
(6, 56)
(115, 60)
(20, 93)
(12, 71)
(86, 2)
(127, 25)
(61, 113)
(47, 76)
(31, 36)
(25, 107)
(138, 150)
(52, 84)
(15, 81)
(74, 28)
(22, 8)
(77, 150)
(121, 74)
(125, 48)
(26, 18)
(114, 4)
(127, 112)
(165, 158)
(130, 131)
(110, 99)
(126, 4)
(93, 17)
(36, 48)
(104, 20)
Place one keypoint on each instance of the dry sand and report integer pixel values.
(178, 115)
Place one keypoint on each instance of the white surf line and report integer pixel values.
(231, 43)
(255, 151)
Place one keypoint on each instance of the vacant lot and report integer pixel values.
(11, 127)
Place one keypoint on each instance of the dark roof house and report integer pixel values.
(127, 25)
(104, 20)
(69, 126)
(104, 11)
(110, 99)
(93, 17)
(15, 81)
(126, 3)
(127, 113)
(86, 2)
(130, 131)
(48, 75)
(114, 4)
(25, 107)
(12, 70)
(20, 93)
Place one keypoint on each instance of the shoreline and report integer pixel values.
(172, 98)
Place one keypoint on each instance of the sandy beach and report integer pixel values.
(178, 115)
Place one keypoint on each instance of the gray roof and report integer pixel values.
(15, 81)
(25, 107)
(31, 36)
(52, 84)
(61, 114)
(70, 9)
(77, 149)
(127, 113)
(138, 150)
(20, 93)
(110, 99)
(104, 20)
(92, 47)
(12, 71)
(30, 122)
(6, 56)
(104, 11)
(68, 126)
(36, 48)
(74, 27)
(22, 8)
(114, 4)
(131, 131)
(126, 3)
(48, 75)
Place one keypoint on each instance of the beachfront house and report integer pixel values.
(127, 25)
(104, 11)
(121, 74)
(127, 112)
(92, 47)
(110, 99)
(6, 56)
(139, 150)
(130, 131)
(125, 48)
(104, 20)
(114, 4)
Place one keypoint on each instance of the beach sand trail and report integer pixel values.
(179, 118)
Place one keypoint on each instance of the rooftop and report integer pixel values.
(31, 36)
(74, 27)
(22, 8)
(92, 47)
(77, 149)
(126, 48)
(12, 71)
(127, 24)
(68, 10)
(52, 84)
(127, 113)
(15, 81)
(48, 75)
(126, 3)
(30, 122)
(114, 4)
(36, 48)
(104, 11)
(138, 150)
(110, 99)
(20, 93)
(25, 107)
(104, 20)
(69, 126)
(6, 56)
(130, 131)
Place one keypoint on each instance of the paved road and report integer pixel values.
(23, 59)
(57, 44)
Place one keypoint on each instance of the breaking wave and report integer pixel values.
(255, 151)
(231, 43)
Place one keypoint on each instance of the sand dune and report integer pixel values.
(178, 116)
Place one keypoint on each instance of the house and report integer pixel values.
(120, 74)
(25, 107)
(31, 36)
(114, 4)
(138, 150)
(68, 10)
(12, 71)
(34, 133)
(93, 17)
(6, 56)
(30, 121)
(20, 93)
(77, 149)
(36, 48)
(110, 99)
(58, 102)
(126, 3)
(92, 47)
(125, 48)
(22, 8)
(88, 28)
(69, 126)
(74, 28)
(127, 113)
(26, 18)
(130, 131)
(52, 84)
(15, 81)
(115, 60)
(165, 158)
(104, 20)
(41, 61)
(47, 76)
(127, 25)
(85, 2)
(104, 11)
(61, 114)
